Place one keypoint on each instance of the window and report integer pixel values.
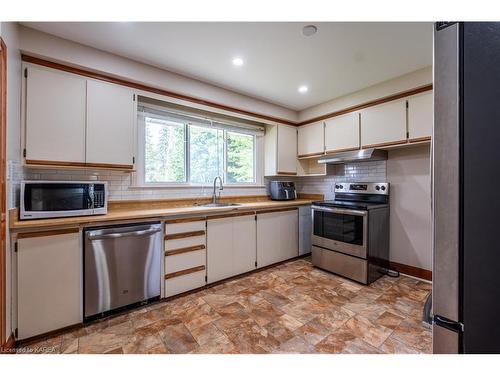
(206, 154)
(164, 154)
(175, 149)
(240, 157)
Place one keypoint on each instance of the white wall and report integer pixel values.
(406, 82)
(51, 47)
(10, 35)
(408, 171)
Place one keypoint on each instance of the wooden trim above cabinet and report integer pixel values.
(342, 150)
(185, 220)
(184, 250)
(71, 164)
(111, 166)
(311, 155)
(56, 163)
(368, 104)
(234, 214)
(420, 139)
(47, 233)
(184, 272)
(177, 236)
(124, 82)
(385, 144)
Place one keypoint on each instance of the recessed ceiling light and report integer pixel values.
(309, 30)
(238, 61)
(303, 89)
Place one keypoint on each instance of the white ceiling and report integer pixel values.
(341, 58)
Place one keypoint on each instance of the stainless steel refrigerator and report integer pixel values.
(466, 188)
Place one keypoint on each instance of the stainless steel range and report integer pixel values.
(351, 233)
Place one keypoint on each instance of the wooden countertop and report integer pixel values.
(121, 211)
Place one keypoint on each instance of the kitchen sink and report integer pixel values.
(217, 204)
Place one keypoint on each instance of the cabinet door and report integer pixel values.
(244, 244)
(311, 139)
(49, 283)
(110, 124)
(384, 124)
(287, 150)
(268, 238)
(219, 249)
(342, 133)
(289, 235)
(55, 116)
(420, 116)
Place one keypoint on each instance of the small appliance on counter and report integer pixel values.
(50, 199)
(282, 190)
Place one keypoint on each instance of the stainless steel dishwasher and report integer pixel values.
(122, 266)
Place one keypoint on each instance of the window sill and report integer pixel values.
(189, 186)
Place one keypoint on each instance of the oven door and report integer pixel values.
(341, 230)
(46, 199)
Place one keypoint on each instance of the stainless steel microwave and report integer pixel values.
(49, 199)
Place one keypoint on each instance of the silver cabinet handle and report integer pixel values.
(339, 211)
(138, 233)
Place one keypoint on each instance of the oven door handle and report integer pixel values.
(340, 211)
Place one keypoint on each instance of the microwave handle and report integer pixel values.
(90, 197)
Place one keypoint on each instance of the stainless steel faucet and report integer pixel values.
(215, 198)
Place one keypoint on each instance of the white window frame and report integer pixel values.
(139, 175)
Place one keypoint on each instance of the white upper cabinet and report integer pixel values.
(280, 150)
(55, 116)
(311, 139)
(420, 116)
(287, 149)
(384, 124)
(342, 133)
(110, 124)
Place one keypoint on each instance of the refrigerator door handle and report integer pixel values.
(448, 324)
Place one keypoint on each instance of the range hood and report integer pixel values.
(369, 154)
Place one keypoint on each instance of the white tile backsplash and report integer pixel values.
(371, 171)
(120, 183)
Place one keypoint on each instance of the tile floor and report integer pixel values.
(291, 308)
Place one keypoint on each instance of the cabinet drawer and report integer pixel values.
(185, 260)
(343, 265)
(184, 283)
(179, 243)
(184, 225)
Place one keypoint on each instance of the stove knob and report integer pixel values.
(337, 186)
(383, 188)
(377, 187)
(341, 186)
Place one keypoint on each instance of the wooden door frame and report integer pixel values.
(3, 207)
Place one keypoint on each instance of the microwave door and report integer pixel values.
(45, 200)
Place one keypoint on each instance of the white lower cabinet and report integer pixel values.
(277, 236)
(49, 282)
(231, 243)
